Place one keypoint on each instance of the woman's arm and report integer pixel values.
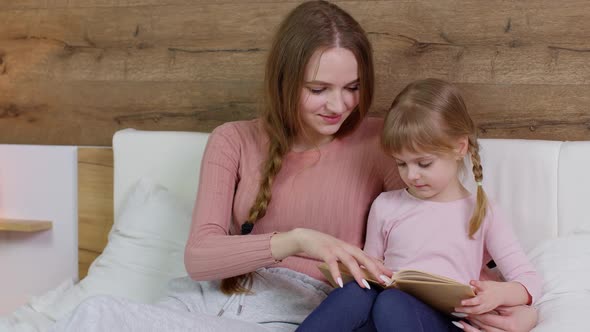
(211, 253)
(503, 319)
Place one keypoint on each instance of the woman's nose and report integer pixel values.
(336, 103)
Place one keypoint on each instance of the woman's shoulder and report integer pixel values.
(233, 127)
(366, 135)
(238, 131)
(371, 126)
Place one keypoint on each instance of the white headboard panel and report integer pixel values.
(170, 158)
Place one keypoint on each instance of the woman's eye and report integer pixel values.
(401, 164)
(316, 91)
(353, 88)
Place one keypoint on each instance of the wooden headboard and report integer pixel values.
(95, 204)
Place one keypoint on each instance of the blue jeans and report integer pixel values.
(353, 308)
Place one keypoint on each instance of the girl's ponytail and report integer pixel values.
(482, 200)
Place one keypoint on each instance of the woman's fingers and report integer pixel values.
(490, 320)
(466, 327)
(335, 272)
(372, 265)
(356, 271)
(483, 326)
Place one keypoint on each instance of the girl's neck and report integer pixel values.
(453, 192)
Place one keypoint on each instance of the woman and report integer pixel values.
(278, 194)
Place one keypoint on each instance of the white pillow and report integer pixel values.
(145, 250)
(564, 264)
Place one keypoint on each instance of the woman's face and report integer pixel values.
(330, 93)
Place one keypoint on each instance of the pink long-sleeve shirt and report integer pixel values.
(329, 189)
(409, 233)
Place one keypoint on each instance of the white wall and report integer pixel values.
(37, 182)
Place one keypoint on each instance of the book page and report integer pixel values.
(417, 275)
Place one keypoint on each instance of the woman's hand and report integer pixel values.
(330, 250)
(504, 319)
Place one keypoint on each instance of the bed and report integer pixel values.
(135, 205)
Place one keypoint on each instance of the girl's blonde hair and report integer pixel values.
(430, 115)
(310, 27)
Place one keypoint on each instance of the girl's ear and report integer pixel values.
(462, 147)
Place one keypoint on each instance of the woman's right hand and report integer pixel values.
(330, 250)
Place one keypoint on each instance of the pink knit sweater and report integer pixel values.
(329, 189)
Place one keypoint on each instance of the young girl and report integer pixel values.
(433, 225)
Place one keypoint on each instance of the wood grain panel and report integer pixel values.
(185, 22)
(95, 203)
(75, 71)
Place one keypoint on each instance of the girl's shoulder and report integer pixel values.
(390, 199)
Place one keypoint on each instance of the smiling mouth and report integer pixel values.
(331, 119)
(330, 116)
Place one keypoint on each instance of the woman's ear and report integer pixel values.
(462, 147)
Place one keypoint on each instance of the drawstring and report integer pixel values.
(226, 305)
(249, 281)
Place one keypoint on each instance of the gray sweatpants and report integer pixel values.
(281, 299)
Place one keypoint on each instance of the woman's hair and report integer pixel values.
(311, 27)
(430, 115)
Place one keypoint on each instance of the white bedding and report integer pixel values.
(144, 252)
(170, 158)
(564, 264)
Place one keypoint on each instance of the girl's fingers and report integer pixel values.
(475, 310)
(471, 302)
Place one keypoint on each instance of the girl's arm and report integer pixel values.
(523, 284)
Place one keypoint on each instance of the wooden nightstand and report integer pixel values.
(19, 225)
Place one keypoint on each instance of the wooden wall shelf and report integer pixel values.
(19, 225)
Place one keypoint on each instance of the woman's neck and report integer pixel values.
(302, 144)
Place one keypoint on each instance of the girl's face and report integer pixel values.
(430, 176)
(330, 93)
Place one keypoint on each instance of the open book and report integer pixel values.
(441, 293)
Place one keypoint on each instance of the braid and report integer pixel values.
(482, 200)
(271, 168)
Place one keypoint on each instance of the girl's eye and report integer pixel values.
(353, 87)
(425, 165)
(401, 164)
(316, 91)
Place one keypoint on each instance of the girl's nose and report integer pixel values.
(413, 173)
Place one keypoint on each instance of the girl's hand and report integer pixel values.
(504, 319)
(332, 250)
(489, 296)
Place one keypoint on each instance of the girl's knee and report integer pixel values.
(353, 292)
(392, 298)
